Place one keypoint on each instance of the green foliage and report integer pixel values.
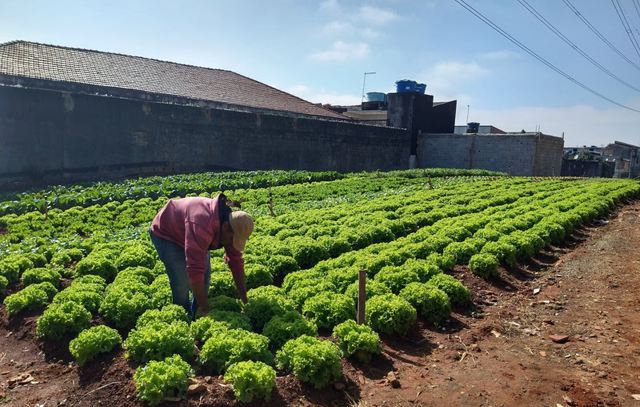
(66, 257)
(485, 265)
(396, 278)
(461, 251)
(257, 276)
(31, 298)
(265, 303)
(359, 341)
(224, 348)
(10, 270)
(80, 294)
(98, 265)
(204, 326)
(390, 314)
(291, 325)
(157, 340)
(40, 275)
(4, 282)
(280, 266)
(142, 274)
(328, 309)
(503, 251)
(423, 268)
(372, 288)
(222, 284)
(305, 289)
(93, 341)
(224, 303)
(160, 291)
(135, 255)
(60, 321)
(251, 380)
(124, 302)
(431, 303)
(168, 314)
(458, 294)
(311, 360)
(160, 379)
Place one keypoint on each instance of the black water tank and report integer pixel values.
(473, 127)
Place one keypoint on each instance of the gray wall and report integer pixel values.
(48, 136)
(527, 154)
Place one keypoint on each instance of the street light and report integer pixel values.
(364, 80)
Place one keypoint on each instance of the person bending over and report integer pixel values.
(184, 231)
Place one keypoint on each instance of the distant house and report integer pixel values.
(627, 157)
(482, 129)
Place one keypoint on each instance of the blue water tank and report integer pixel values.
(473, 127)
(408, 86)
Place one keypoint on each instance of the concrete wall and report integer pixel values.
(527, 154)
(49, 136)
(587, 168)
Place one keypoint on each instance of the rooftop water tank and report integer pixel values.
(376, 97)
(408, 86)
(473, 127)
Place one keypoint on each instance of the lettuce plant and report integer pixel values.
(93, 341)
(226, 347)
(291, 325)
(251, 380)
(328, 309)
(431, 303)
(312, 360)
(160, 379)
(390, 314)
(62, 320)
(458, 294)
(358, 341)
(157, 340)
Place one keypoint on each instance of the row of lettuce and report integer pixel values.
(405, 242)
(99, 193)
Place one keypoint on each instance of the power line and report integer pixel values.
(637, 7)
(579, 50)
(508, 36)
(625, 25)
(599, 34)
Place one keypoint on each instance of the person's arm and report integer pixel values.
(235, 261)
(196, 245)
(198, 290)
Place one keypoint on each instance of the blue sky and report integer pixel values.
(319, 50)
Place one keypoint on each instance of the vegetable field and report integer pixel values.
(79, 261)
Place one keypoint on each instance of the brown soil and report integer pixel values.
(497, 354)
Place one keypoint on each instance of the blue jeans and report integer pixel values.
(173, 257)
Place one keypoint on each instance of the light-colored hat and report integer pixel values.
(242, 226)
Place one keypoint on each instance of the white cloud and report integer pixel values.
(342, 51)
(322, 96)
(446, 78)
(376, 15)
(338, 28)
(501, 55)
(330, 6)
(581, 124)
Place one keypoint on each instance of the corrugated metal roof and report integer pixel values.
(97, 68)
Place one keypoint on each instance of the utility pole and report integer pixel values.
(364, 81)
(468, 107)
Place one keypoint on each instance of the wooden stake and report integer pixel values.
(362, 296)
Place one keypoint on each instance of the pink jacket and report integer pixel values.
(193, 223)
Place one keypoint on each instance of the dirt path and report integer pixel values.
(590, 294)
(500, 354)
